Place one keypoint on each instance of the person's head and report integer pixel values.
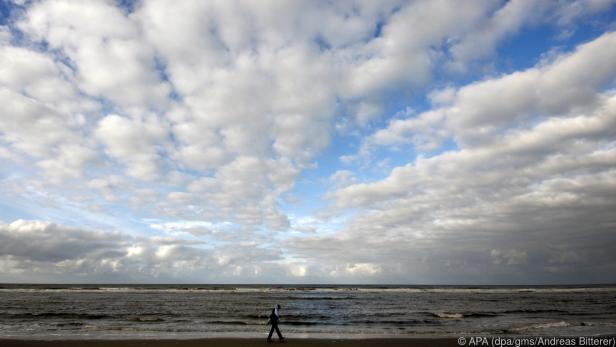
(278, 306)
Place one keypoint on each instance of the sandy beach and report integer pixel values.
(231, 342)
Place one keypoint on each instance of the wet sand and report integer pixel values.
(238, 342)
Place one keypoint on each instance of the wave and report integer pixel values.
(458, 315)
(304, 316)
(147, 319)
(318, 298)
(391, 322)
(64, 315)
(485, 314)
(256, 316)
(447, 315)
(540, 326)
(302, 323)
(286, 316)
(68, 324)
(85, 316)
(228, 322)
(535, 311)
(480, 314)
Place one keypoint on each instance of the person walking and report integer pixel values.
(274, 318)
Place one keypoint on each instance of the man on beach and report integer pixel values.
(273, 320)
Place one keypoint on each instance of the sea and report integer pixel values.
(307, 311)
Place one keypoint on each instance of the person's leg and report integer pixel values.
(269, 337)
(278, 332)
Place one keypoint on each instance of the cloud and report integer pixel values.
(211, 91)
(104, 47)
(342, 178)
(48, 242)
(198, 120)
(43, 250)
(483, 39)
(481, 110)
(135, 143)
(44, 113)
(197, 228)
(533, 171)
(509, 257)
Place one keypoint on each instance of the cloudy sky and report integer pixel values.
(308, 141)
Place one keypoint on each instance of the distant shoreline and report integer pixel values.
(299, 286)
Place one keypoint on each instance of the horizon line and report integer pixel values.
(310, 284)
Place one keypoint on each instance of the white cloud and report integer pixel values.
(104, 45)
(204, 115)
(481, 110)
(574, 10)
(504, 21)
(356, 269)
(342, 178)
(106, 186)
(298, 270)
(44, 113)
(483, 39)
(135, 143)
(527, 173)
(260, 88)
(196, 228)
(509, 257)
(134, 251)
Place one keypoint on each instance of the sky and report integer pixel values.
(398, 142)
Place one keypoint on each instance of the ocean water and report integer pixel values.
(196, 311)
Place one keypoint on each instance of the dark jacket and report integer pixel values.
(273, 318)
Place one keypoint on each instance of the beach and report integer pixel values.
(234, 342)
